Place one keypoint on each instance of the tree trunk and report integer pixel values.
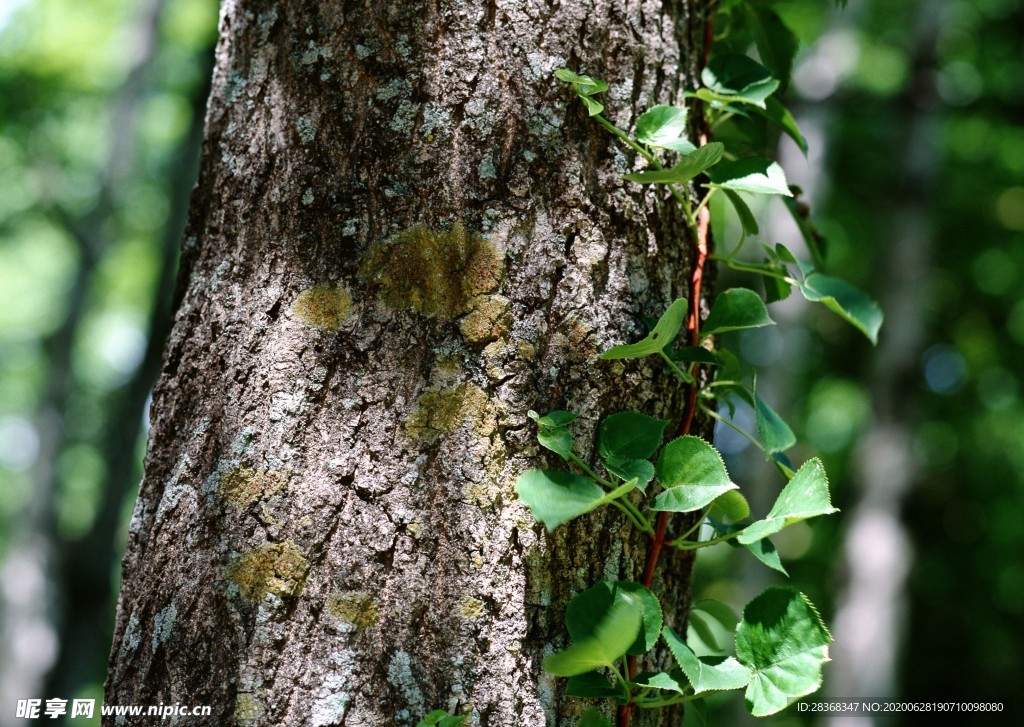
(405, 235)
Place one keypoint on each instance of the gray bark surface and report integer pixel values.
(405, 235)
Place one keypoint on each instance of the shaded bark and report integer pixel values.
(405, 235)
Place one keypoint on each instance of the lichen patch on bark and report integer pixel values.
(277, 568)
(247, 708)
(489, 319)
(242, 486)
(471, 608)
(435, 272)
(358, 608)
(441, 411)
(325, 307)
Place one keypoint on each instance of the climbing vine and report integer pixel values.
(777, 647)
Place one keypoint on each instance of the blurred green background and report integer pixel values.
(914, 111)
(100, 121)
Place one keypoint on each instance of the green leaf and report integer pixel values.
(661, 124)
(696, 714)
(751, 174)
(441, 718)
(709, 673)
(557, 496)
(694, 163)
(556, 418)
(739, 78)
(848, 301)
(653, 176)
(593, 718)
(627, 469)
(662, 335)
(782, 462)
(734, 310)
(432, 718)
(669, 682)
(589, 609)
(699, 160)
(629, 435)
(719, 100)
(774, 433)
(731, 505)
(680, 145)
(557, 439)
(805, 496)
(764, 550)
(699, 354)
(694, 474)
(583, 85)
(719, 216)
(689, 461)
(783, 253)
(782, 640)
(732, 369)
(776, 290)
(776, 43)
(652, 618)
(779, 115)
(593, 107)
(611, 639)
(746, 217)
(710, 628)
(592, 685)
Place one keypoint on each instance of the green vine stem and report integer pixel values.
(682, 544)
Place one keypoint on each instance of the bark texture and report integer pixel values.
(405, 235)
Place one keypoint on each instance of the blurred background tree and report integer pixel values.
(915, 178)
(100, 119)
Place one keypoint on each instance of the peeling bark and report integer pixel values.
(405, 235)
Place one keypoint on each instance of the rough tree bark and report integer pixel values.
(405, 235)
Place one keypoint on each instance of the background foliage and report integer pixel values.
(915, 177)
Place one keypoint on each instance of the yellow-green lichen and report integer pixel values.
(242, 486)
(278, 568)
(434, 272)
(247, 708)
(358, 608)
(447, 365)
(323, 306)
(488, 490)
(441, 411)
(470, 608)
(481, 494)
(489, 319)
